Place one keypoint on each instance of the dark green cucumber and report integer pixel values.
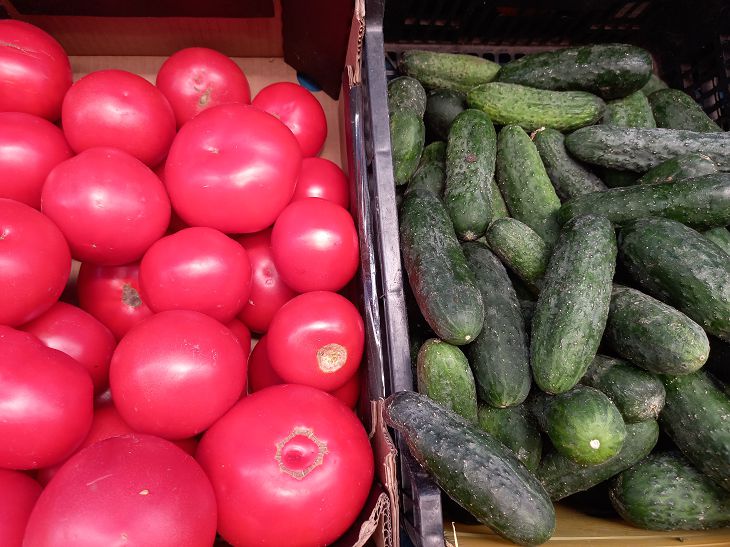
(498, 356)
(443, 374)
(681, 267)
(682, 167)
(406, 93)
(453, 71)
(429, 176)
(562, 477)
(630, 111)
(473, 468)
(470, 161)
(665, 492)
(618, 179)
(639, 395)
(524, 183)
(674, 109)
(573, 305)
(655, 83)
(701, 202)
(407, 137)
(442, 106)
(528, 310)
(513, 428)
(520, 249)
(720, 236)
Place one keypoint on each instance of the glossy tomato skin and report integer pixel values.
(315, 246)
(300, 110)
(305, 472)
(349, 393)
(197, 78)
(197, 269)
(35, 263)
(316, 339)
(321, 178)
(176, 373)
(18, 494)
(242, 334)
(139, 488)
(260, 373)
(35, 72)
(234, 168)
(115, 108)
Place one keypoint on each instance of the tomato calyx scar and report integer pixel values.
(295, 453)
(331, 358)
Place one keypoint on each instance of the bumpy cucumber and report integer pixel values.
(442, 106)
(631, 111)
(453, 71)
(655, 83)
(674, 109)
(407, 137)
(513, 427)
(429, 176)
(520, 249)
(680, 168)
(435, 152)
(720, 236)
(406, 93)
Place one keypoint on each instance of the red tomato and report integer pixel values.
(316, 339)
(35, 72)
(29, 148)
(350, 392)
(242, 334)
(315, 246)
(119, 109)
(268, 291)
(260, 373)
(111, 294)
(303, 476)
(134, 490)
(299, 110)
(321, 178)
(197, 78)
(189, 445)
(35, 263)
(46, 402)
(176, 373)
(197, 269)
(233, 168)
(18, 494)
(109, 205)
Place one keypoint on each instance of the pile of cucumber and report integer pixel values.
(563, 227)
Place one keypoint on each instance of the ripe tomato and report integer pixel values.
(303, 476)
(315, 247)
(242, 334)
(35, 72)
(349, 393)
(260, 373)
(119, 109)
(35, 263)
(197, 78)
(197, 269)
(135, 490)
(109, 205)
(299, 110)
(316, 339)
(176, 373)
(234, 168)
(321, 178)
(18, 494)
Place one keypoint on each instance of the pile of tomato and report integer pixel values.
(146, 231)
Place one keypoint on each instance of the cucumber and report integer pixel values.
(429, 176)
(608, 70)
(470, 160)
(443, 374)
(527, 307)
(473, 468)
(681, 267)
(513, 428)
(720, 236)
(434, 152)
(664, 492)
(442, 106)
(453, 71)
(680, 168)
(407, 137)
(639, 395)
(520, 249)
(569, 177)
(639, 149)
(655, 83)
(562, 477)
(406, 93)
(532, 108)
(630, 111)
(524, 183)
(572, 309)
(618, 179)
(498, 356)
(696, 417)
(702, 202)
(674, 109)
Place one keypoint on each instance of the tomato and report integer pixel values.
(176, 373)
(303, 476)
(35, 263)
(349, 393)
(234, 168)
(133, 490)
(111, 294)
(268, 291)
(242, 334)
(321, 178)
(315, 246)
(119, 109)
(197, 269)
(35, 72)
(109, 205)
(316, 339)
(18, 494)
(260, 373)
(197, 78)
(299, 109)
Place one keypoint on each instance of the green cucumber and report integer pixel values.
(429, 176)
(407, 137)
(527, 307)
(520, 249)
(473, 468)
(682, 167)
(443, 285)
(434, 152)
(618, 179)
(655, 83)
(720, 236)
(630, 111)
(513, 104)
(525, 184)
(406, 93)
(674, 109)
(442, 106)
(513, 428)
(681, 267)
(573, 305)
(457, 72)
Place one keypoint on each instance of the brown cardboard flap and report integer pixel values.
(353, 59)
(386, 462)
